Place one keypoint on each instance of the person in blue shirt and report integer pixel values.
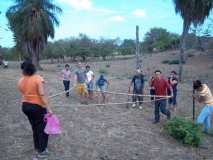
(101, 85)
(138, 88)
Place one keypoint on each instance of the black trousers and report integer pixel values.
(35, 114)
(66, 86)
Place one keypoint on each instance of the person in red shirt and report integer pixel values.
(160, 85)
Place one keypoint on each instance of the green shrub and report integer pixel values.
(108, 66)
(184, 130)
(190, 55)
(173, 62)
(102, 71)
(165, 62)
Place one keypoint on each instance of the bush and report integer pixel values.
(190, 55)
(173, 62)
(107, 65)
(184, 130)
(165, 62)
(102, 71)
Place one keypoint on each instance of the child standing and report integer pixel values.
(101, 85)
(66, 76)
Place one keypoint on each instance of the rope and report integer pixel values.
(140, 95)
(106, 104)
(49, 97)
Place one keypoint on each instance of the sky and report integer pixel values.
(104, 18)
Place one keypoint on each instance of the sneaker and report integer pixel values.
(133, 105)
(140, 107)
(43, 154)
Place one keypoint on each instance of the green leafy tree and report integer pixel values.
(159, 39)
(193, 12)
(127, 47)
(32, 22)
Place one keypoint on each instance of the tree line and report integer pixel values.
(34, 21)
(84, 47)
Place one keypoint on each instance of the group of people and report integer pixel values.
(84, 82)
(35, 104)
(160, 88)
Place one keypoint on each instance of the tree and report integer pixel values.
(127, 47)
(32, 22)
(159, 39)
(193, 12)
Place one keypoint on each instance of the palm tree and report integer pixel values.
(32, 22)
(193, 12)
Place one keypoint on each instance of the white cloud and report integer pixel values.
(117, 19)
(139, 13)
(85, 5)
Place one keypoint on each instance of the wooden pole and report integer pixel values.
(193, 103)
(137, 51)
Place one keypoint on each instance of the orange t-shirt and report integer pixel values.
(28, 86)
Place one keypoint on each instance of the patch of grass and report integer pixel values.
(102, 71)
(165, 62)
(170, 62)
(173, 62)
(108, 65)
(190, 55)
(184, 131)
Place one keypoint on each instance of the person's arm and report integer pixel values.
(173, 81)
(198, 98)
(130, 85)
(142, 80)
(75, 78)
(93, 76)
(169, 87)
(43, 96)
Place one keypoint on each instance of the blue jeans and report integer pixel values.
(205, 117)
(172, 100)
(90, 86)
(66, 86)
(160, 105)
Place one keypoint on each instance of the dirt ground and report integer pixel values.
(104, 132)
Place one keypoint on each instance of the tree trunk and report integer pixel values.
(34, 54)
(182, 57)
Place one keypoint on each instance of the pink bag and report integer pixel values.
(52, 124)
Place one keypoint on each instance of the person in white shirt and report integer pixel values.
(90, 81)
(66, 76)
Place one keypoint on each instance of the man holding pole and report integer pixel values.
(161, 86)
(204, 95)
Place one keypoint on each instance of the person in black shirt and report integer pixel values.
(173, 81)
(138, 86)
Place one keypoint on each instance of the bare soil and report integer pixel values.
(104, 132)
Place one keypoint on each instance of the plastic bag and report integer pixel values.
(52, 124)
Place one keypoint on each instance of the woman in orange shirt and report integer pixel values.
(34, 105)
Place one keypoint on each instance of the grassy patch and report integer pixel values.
(170, 62)
(107, 66)
(184, 131)
(102, 71)
(173, 62)
(165, 62)
(190, 55)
